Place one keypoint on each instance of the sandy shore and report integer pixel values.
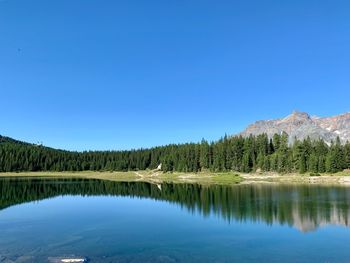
(337, 179)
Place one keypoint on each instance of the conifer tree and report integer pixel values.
(347, 155)
(313, 163)
(302, 163)
(204, 154)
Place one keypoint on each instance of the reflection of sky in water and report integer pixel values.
(142, 230)
(305, 207)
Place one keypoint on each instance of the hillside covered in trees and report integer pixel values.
(229, 153)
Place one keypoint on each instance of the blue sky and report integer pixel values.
(92, 74)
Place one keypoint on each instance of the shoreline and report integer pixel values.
(324, 179)
(204, 178)
(151, 176)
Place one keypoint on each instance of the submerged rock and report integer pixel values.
(67, 260)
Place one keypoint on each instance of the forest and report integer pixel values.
(230, 153)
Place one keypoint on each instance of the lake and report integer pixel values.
(107, 221)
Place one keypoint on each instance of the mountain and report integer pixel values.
(301, 125)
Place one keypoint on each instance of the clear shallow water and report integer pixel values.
(138, 222)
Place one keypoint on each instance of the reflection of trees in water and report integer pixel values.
(305, 207)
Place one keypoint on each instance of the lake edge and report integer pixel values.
(204, 178)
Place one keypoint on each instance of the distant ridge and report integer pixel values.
(301, 125)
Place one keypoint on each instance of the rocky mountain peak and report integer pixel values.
(297, 117)
(301, 125)
(300, 114)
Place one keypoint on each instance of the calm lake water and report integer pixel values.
(141, 222)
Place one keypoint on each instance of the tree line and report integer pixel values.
(253, 153)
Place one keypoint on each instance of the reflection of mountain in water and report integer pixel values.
(304, 207)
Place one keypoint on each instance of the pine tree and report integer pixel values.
(204, 154)
(321, 164)
(347, 155)
(246, 164)
(313, 163)
(302, 163)
(276, 141)
(340, 158)
(260, 161)
(283, 154)
(266, 166)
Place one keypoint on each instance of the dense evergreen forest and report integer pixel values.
(240, 154)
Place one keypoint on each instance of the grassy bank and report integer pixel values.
(208, 178)
(140, 176)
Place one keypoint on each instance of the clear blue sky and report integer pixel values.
(100, 74)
